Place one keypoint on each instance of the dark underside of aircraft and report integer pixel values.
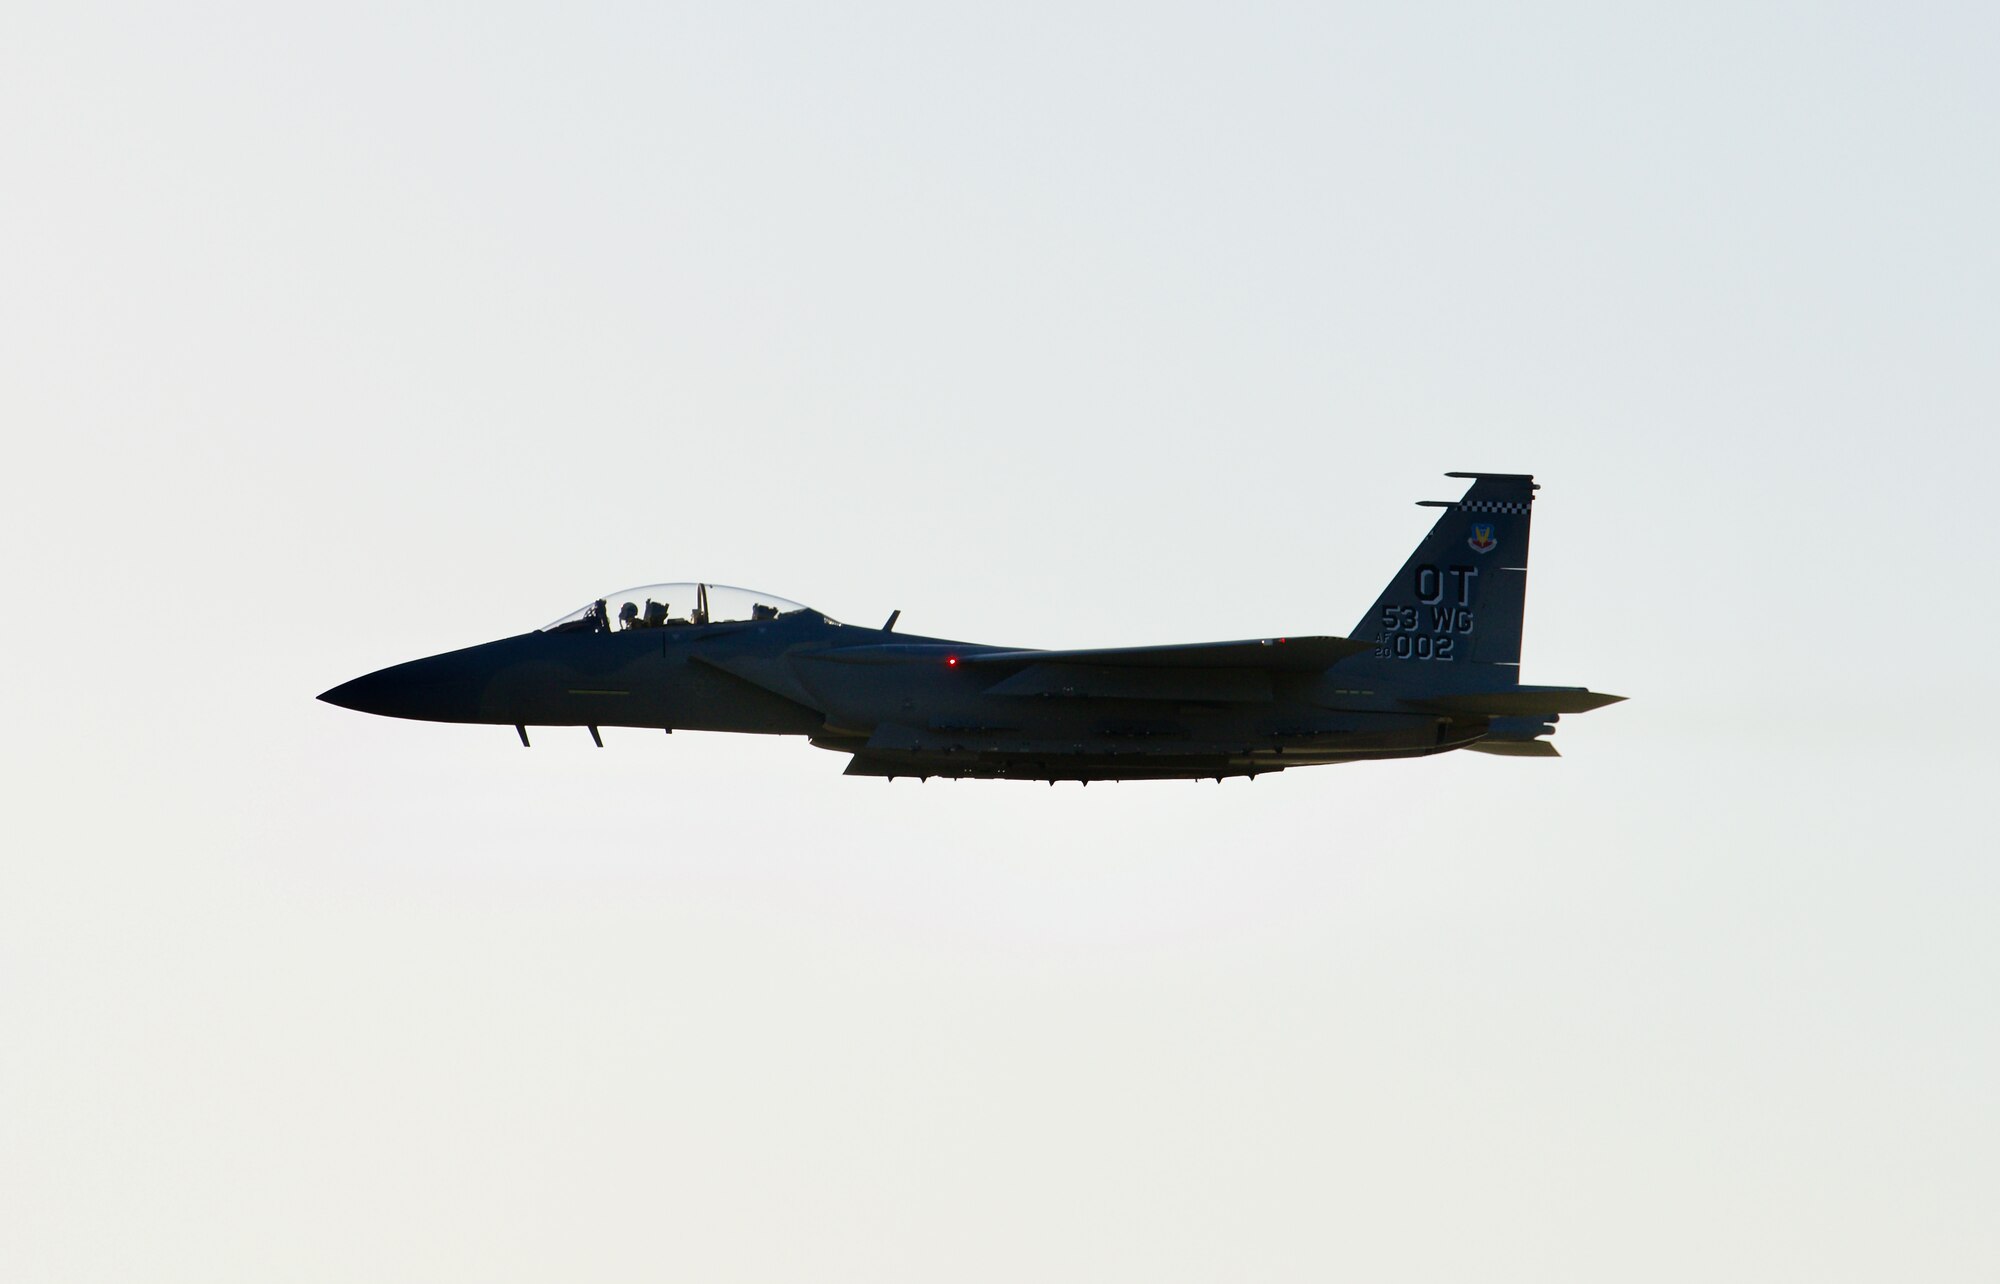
(1433, 666)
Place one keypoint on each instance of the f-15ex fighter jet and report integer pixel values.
(1433, 666)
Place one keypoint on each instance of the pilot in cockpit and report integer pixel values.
(628, 616)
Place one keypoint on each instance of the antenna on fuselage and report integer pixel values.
(891, 625)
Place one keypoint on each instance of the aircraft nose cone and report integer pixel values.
(439, 689)
(359, 695)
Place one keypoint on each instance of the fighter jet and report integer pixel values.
(1433, 666)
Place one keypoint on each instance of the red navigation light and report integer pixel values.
(951, 662)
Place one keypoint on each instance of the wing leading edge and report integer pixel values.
(1294, 655)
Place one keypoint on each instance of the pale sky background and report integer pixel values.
(333, 338)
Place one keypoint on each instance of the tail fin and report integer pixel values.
(1458, 601)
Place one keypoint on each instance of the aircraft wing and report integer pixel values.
(1270, 654)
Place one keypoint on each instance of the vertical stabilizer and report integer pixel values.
(1458, 601)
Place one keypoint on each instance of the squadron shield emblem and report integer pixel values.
(1482, 540)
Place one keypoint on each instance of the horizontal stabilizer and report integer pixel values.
(1515, 748)
(1284, 654)
(1516, 702)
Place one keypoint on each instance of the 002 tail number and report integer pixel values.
(1420, 646)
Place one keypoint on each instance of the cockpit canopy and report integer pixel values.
(657, 606)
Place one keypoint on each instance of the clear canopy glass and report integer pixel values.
(659, 606)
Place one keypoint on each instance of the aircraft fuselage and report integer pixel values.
(1433, 666)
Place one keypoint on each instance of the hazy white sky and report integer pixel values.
(332, 338)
